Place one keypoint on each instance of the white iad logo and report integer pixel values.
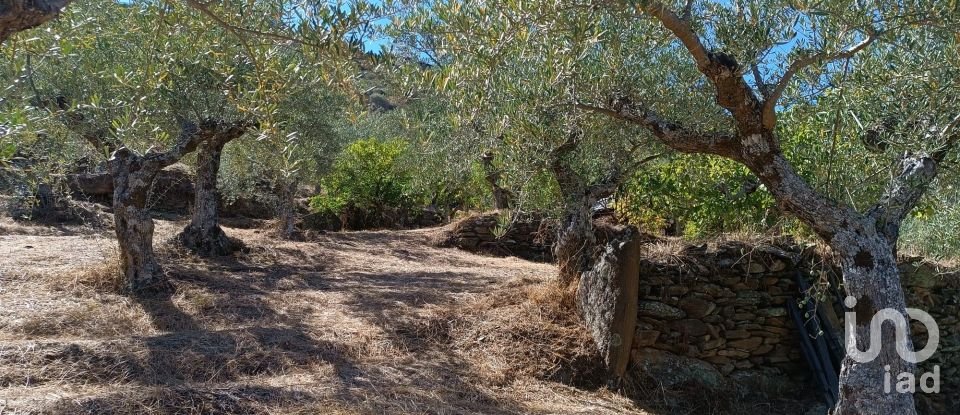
(906, 382)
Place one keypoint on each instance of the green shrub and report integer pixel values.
(703, 194)
(367, 181)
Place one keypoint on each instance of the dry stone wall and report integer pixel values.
(714, 313)
(724, 305)
(717, 313)
(930, 288)
(528, 236)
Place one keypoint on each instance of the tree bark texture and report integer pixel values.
(502, 198)
(870, 275)
(133, 175)
(203, 235)
(287, 226)
(575, 241)
(607, 298)
(133, 224)
(19, 15)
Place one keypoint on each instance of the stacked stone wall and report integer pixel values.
(712, 313)
(529, 237)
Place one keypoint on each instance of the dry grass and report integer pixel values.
(666, 250)
(354, 322)
(52, 299)
(105, 276)
(82, 318)
(520, 331)
(101, 275)
(360, 322)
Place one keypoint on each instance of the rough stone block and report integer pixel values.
(736, 334)
(748, 344)
(674, 371)
(696, 307)
(657, 309)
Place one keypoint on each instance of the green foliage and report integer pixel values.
(444, 167)
(367, 177)
(933, 228)
(138, 69)
(511, 78)
(522, 70)
(504, 222)
(702, 194)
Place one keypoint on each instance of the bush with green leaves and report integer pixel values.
(368, 184)
(699, 195)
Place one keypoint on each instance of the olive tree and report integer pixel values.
(124, 85)
(211, 89)
(584, 159)
(308, 56)
(715, 78)
(294, 51)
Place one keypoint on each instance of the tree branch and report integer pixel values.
(770, 103)
(220, 133)
(19, 15)
(236, 30)
(605, 188)
(673, 135)
(98, 137)
(687, 10)
(615, 177)
(761, 84)
(788, 188)
(906, 190)
(214, 132)
(645, 160)
(721, 69)
(682, 30)
(569, 181)
(950, 137)
(902, 194)
(190, 137)
(754, 145)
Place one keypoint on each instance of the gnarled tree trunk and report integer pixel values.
(133, 176)
(871, 276)
(575, 242)
(203, 235)
(502, 198)
(601, 282)
(287, 211)
(133, 224)
(574, 239)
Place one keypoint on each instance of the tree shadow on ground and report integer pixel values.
(192, 367)
(392, 244)
(396, 303)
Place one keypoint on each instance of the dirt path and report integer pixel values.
(347, 323)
